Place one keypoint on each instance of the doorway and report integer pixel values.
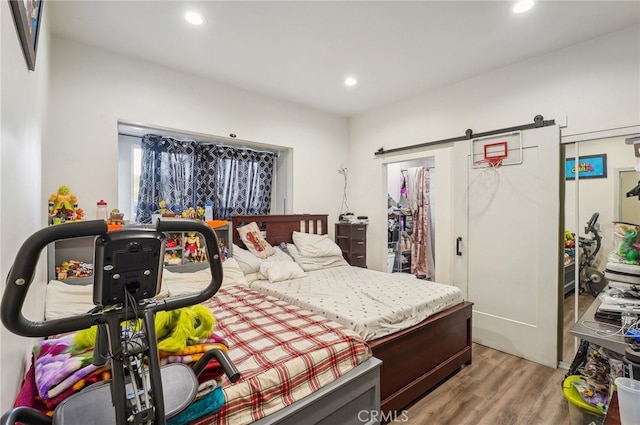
(401, 232)
(628, 206)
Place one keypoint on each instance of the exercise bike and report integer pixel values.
(127, 275)
(592, 281)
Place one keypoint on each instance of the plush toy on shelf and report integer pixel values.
(164, 211)
(116, 217)
(62, 206)
(192, 248)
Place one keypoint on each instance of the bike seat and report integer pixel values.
(93, 404)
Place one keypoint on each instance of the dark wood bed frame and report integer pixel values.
(414, 360)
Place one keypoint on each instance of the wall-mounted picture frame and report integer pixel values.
(589, 167)
(26, 15)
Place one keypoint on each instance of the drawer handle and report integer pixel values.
(360, 243)
(360, 256)
(360, 229)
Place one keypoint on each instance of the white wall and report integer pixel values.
(22, 210)
(92, 89)
(595, 84)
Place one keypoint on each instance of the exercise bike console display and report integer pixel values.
(127, 263)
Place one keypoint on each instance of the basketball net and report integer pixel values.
(494, 162)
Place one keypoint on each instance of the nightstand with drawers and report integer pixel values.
(352, 240)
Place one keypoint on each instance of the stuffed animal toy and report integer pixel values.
(174, 329)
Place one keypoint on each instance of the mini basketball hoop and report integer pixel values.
(493, 154)
(490, 162)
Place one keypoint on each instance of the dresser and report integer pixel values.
(352, 240)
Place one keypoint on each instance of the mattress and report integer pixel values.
(283, 352)
(372, 303)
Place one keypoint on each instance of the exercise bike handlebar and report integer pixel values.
(591, 224)
(591, 228)
(21, 276)
(22, 272)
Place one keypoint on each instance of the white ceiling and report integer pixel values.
(301, 51)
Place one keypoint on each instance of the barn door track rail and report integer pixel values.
(538, 121)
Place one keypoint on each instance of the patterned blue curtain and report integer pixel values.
(167, 173)
(187, 174)
(240, 182)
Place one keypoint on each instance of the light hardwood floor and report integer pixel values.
(495, 389)
(498, 388)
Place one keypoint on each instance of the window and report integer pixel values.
(224, 185)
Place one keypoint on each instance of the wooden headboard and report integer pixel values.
(280, 228)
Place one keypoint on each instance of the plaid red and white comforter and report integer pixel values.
(283, 352)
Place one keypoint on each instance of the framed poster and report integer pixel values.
(588, 167)
(26, 15)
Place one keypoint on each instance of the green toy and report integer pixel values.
(626, 249)
(174, 329)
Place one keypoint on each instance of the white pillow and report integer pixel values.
(233, 274)
(280, 255)
(247, 262)
(315, 263)
(254, 241)
(311, 245)
(277, 271)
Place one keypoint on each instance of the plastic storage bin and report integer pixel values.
(580, 412)
(629, 400)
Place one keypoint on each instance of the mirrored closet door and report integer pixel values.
(593, 202)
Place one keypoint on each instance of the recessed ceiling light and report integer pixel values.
(194, 18)
(523, 6)
(350, 81)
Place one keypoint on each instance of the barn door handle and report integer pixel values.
(458, 252)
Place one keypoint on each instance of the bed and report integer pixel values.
(294, 364)
(416, 358)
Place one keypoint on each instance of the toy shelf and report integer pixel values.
(82, 250)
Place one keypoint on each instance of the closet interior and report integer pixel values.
(410, 224)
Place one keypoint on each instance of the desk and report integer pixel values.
(614, 343)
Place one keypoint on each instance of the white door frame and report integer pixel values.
(617, 189)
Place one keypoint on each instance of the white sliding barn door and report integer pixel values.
(507, 221)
